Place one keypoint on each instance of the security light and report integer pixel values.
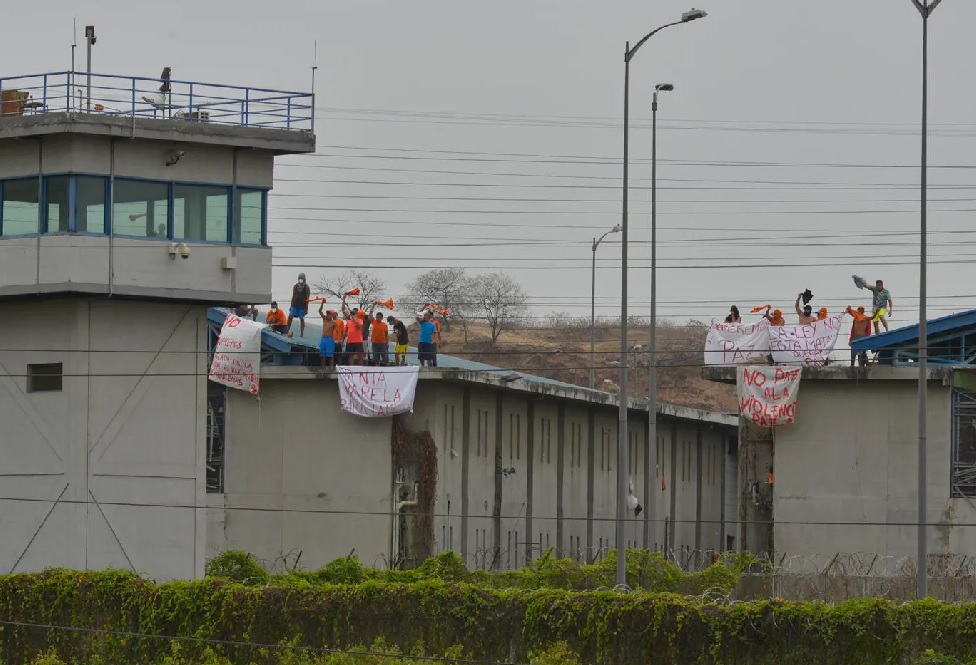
(693, 14)
(664, 87)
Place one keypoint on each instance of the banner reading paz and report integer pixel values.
(374, 392)
(736, 343)
(237, 355)
(767, 395)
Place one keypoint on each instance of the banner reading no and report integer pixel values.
(237, 355)
(767, 395)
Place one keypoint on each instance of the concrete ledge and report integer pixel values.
(526, 385)
(278, 141)
(844, 372)
(181, 295)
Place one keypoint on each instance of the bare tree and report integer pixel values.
(370, 287)
(501, 301)
(448, 288)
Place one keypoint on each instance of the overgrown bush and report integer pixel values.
(117, 618)
(237, 566)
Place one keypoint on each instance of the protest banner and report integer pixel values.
(767, 395)
(237, 355)
(736, 343)
(375, 392)
(808, 344)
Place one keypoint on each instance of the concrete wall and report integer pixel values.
(108, 471)
(300, 475)
(77, 153)
(850, 462)
(63, 263)
(518, 473)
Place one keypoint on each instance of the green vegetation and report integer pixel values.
(648, 571)
(555, 613)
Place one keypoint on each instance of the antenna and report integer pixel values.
(315, 65)
(74, 45)
(315, 62)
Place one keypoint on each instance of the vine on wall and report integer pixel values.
(419, 448)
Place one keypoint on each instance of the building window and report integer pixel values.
(200, 213)
(44, 378)
(19, 207)
(216, 418)
(963, 443)
(140, 208)
(90, 211)
(249, 213)
(57, 191)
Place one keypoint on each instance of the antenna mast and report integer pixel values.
(315, 65)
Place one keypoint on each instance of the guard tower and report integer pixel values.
(128, 206)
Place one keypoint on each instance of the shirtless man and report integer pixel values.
(327, 343)
(806, 316)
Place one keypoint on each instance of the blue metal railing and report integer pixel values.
(141, 97)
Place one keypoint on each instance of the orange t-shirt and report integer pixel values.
(379, 332)
(354, 331)
(339, 331)
(276, 318)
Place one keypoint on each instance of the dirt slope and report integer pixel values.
(562, 352)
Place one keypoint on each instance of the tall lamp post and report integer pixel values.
(596, 243)
(925, 8)
(652, 359)
(622, 438)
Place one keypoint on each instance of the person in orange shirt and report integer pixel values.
(354, 336)
(822, 314)
(277, 320)
(776, 318)
(379, 335)
(861, 327)
(339, 334)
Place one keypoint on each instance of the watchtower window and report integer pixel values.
(140, 208)
(44, 378)
(200, 213)
(90, 210)
(19, 206)
(56, 191)
(248, 216)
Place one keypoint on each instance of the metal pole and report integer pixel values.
(922, 327)
(652, 361)
(622, 418)
(88, 83)
(593, 320)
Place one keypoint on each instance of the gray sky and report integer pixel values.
(523, 98)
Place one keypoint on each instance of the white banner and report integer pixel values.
(809, 344)
(374, 392)
(767, 395)
(237, 356)
(736, 343)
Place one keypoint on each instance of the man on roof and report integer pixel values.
(276, 319)
(775, 318)
(882, 303)
(861, 327)
(300, 295)
(806, 315)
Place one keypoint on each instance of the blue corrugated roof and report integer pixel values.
(908, 334)
(313, 332)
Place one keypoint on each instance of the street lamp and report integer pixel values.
(622, 470)
(652, 361)
(596, 243)
(925, 9)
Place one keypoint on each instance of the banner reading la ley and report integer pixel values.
(237, 355)
(810, 343)
(374, 392)
(767, 395)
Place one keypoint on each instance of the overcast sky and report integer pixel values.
(790, 142)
